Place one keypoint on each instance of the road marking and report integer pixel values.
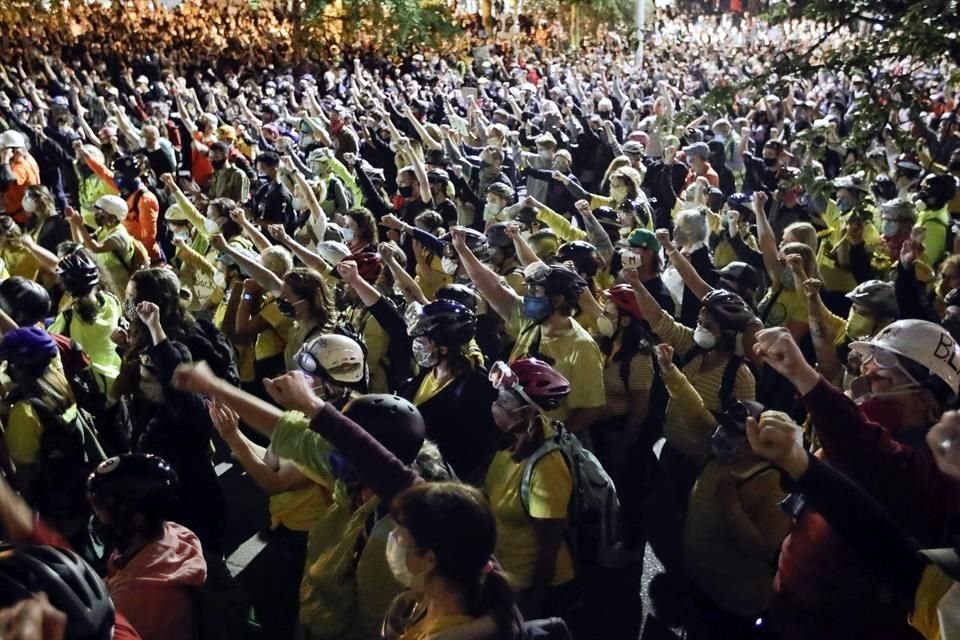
(245, 554)
(222, 468)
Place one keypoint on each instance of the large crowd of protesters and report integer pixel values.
(473, 319)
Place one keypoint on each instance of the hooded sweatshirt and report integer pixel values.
(155, 589)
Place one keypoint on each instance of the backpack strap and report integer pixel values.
(67, 321)
(135, 206)
(728, 380)
(526, 479)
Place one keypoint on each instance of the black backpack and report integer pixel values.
(69, 451)
(218, 352)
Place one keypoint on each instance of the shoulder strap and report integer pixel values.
(765, 312)
(728, 380)
(526, 480)
(67, 321)
(690, 356)
(137, 197)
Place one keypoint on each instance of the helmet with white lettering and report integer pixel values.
(922, 343)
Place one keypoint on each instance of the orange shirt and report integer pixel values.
(141, 222)
(200, 167)
(25, 168)
(712, 177)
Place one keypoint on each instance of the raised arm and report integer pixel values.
(766, 238)
(309, 258)
(652, 311)
(691, 278)
(266, 278)
(501, 297)
(408, 285)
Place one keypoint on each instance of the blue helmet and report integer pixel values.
(28, 348)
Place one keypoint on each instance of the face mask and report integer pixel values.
(859, 325)
(954, 166)
(723, 444)
(606, 327)
(449, 265)
(703, 338)
(182, 235)
(218, 164)
(125, 184)
(490, 210)
(220, 280)
(306, 141)
(397, 560)
(29, 205)
(619, 193)
(921, 205)
(347, 234)
(844, 205)
(129, 310)
(425, 355)
(286, 308)
(890, 228)
(103, 220)
(536, 308)
(299, 204)
(405, 191)
(342, 469)
(562, 167)
(769, 162)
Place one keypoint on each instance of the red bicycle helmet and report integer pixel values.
(623, 297)
(541, 382)
(369, 265)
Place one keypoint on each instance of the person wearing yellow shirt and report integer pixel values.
(542, 324)
(626, 196)
(531, 536)
(503, 257)
(936, 191)
(18, 259)
(92, 317)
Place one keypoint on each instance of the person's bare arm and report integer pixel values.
(501, 298)
(408, 285)
(199, 378)
(47, 260)
(309, 258)
(691, 278)
(766, 238)
(266, 278)
(822, 334)
(525, 253)
(652, 311)
(260, 241)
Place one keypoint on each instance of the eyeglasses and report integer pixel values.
(884, 359)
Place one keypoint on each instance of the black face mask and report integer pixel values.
(769, 162)
(954, 166)
(218, 164)
(286, 308)
(405, 191)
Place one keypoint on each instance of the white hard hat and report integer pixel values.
(11, 139)
(333, 356)
(113, 205)
(175, 213)
(333, 252)
(923, 342)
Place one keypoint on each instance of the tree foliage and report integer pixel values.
(392, 25)
(898, 46)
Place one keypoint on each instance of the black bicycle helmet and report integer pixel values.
(393, 421)
(24, 300)
(558, 280)
(445, 322)
(459, 293)
(884, 187)
(438, 176)
(527, 215)
(476, 242)
(582, 254)
(69, 583)
(138, 482)
(728, 309)
(126, 165)
(740, 276)
(78, 273)
(497, 236)
(742, 203)
(502, 190)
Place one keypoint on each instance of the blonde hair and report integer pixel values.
(805, 233)
(806, 252)
(277, 259)
(950, 262)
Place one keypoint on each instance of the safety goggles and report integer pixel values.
(883, 359)
(512, 396)
(306, 362)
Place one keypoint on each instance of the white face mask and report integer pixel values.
(306, 141)
(425, 355)
(182, 235)
(299, 204)
(220, 279)
(490, 210)
(606, 327)
(619, 194)
(703, 338)
(347, 234)
(29, 205)
(449, 265)
(397, 560)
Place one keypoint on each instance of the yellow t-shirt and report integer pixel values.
(20, 262)
(24, 431)
(550, 491)
(934, 584)
(620, 396)
(94, 337)
(788, 309)
(429, 387)
(272, 340)
(426, 629)
(575, 356)
(299, 509)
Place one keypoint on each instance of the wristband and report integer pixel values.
(247, 297)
